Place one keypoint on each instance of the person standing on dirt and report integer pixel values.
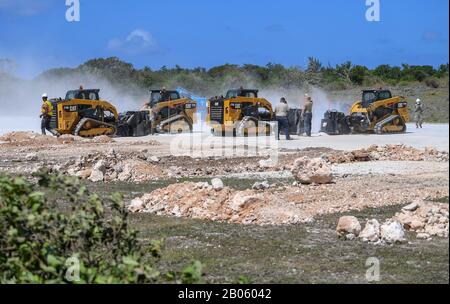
(418, 111)
(46, 113)
(307, 115)
(281, 114)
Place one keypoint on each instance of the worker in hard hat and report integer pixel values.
(46, 113)
(418, 113)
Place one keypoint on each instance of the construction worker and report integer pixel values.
(418, 111)
(307, 115)
(46, 113)
(281, 114)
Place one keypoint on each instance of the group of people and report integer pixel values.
(282, 111)
(281, 114)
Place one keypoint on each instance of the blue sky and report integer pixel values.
(36, 35)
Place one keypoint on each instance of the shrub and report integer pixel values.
(357, 74)
(90, 243)
(432, 82)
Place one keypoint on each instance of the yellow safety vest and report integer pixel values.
(47, 108)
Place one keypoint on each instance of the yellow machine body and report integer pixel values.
(241, 111)
(379, 112)
(81, 116)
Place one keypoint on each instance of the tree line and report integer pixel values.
(220, 78)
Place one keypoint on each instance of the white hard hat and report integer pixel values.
(44, 95)
(418, 100)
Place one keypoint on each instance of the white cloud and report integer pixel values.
(137, 42)
(25, 7)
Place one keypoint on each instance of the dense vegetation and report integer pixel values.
(128, 86)
(90, 243)
(219, 78)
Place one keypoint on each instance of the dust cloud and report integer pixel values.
(323, 101)
(20, 99)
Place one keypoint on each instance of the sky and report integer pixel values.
(36, 35)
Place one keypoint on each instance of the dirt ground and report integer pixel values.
(372, 176)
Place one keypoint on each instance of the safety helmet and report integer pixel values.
(418, 100)
(44, 95)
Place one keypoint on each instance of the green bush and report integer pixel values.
(358, 73)
(432, 82)
(41, 242)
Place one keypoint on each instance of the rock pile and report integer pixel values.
(285, 204)
(426, 219)
(210, 202)
(390, 232)
(312, 171)
(32, 138)
(113, 166)
(388, 152)
(26, 137)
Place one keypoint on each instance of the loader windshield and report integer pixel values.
(370, 97)
(158, 97)
(83, 95)
(242, 93)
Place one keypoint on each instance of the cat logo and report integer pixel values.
(72, 108)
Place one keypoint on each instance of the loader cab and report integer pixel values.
(83, 95)
(371, 96)
(241, 93)
(157, 96)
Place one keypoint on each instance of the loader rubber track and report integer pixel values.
(379, 127)
(81, 123)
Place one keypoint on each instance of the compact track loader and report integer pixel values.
(378, 112)
(171, 112)
(239, 113)
(83, 113)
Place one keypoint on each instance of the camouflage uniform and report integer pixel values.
(418, 111)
